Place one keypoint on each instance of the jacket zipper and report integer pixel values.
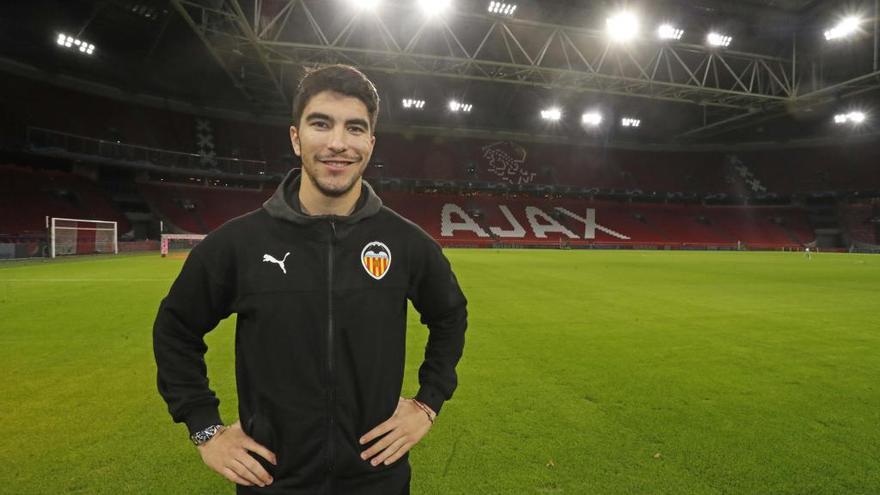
(331, 378)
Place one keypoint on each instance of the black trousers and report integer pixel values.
(255, 490)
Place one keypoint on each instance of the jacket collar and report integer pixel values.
(284, 204)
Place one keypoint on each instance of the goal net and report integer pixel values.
(70, 236)
(172, 242)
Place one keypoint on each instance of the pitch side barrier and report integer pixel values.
(555, 244)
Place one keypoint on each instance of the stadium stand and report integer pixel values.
(631, 177)
(27, 196)
(862, 222)
(784, 172)
(31, 104)
(200, 209)
(843, 168)
(765, 227)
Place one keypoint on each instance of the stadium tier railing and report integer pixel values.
(52, 142)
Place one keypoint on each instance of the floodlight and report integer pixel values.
(669, 32)
(434, 7)
(67, 41)
(457, 106)
(854, 118)
(857, 117)
(145, 11)
(551, 114)
(717, 39)
(501, 8)
(413, 103)
(630, 122)
(623, 26)
(844, 28)
(592, 119)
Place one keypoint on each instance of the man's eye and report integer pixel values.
(319, 124)
(356, 130)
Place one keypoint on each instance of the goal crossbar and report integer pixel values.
(71, 236)
(167, 238)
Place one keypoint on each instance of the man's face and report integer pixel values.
(335, 142)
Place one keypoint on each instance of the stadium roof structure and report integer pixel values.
(780, 79)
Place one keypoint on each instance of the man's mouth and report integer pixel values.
(337, 164)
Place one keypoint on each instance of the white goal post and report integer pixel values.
(71, 236)
(188, 241)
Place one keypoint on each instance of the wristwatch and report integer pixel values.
(202, 436)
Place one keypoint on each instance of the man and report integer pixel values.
(319, 278)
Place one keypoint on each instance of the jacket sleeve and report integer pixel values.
(435, 294)
(195, 304)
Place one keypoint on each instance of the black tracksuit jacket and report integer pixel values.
(320, 335)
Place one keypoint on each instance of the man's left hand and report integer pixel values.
(402, 431)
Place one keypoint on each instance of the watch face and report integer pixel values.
(208, 433)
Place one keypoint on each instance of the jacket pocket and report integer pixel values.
(262, 432)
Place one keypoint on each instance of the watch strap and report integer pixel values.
(202, 436)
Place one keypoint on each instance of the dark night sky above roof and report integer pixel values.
(145, 47)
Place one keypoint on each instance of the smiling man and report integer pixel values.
(319, 278)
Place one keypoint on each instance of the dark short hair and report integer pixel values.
(342, 79)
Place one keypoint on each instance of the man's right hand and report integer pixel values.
(227, 453)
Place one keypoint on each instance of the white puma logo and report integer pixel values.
(268, 258)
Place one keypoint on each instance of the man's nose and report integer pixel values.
(337, 140)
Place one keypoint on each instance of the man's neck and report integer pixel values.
(313, 203)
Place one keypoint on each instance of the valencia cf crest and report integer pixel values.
(376, 258)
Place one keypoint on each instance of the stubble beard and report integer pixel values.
(332, 192)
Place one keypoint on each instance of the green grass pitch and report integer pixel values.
(585, 372)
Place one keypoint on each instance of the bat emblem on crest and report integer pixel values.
(376, 259)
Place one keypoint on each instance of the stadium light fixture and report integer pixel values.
(630, 122)
(854, 118)
(843, 29)
(365, 4)
(552, 114)
(145, 11)
(623, 26)
(718, 39)
(457, 106)
(500, 8)
(433, 8)
(66, 41)
(669, 32)
(592, 119)
(414, 104)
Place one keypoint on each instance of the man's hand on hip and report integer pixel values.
(401, 431)
(227, 453)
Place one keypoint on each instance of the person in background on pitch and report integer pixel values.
(319, 278)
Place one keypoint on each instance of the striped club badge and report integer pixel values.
(376, 259)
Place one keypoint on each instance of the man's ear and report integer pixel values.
(294, 141)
